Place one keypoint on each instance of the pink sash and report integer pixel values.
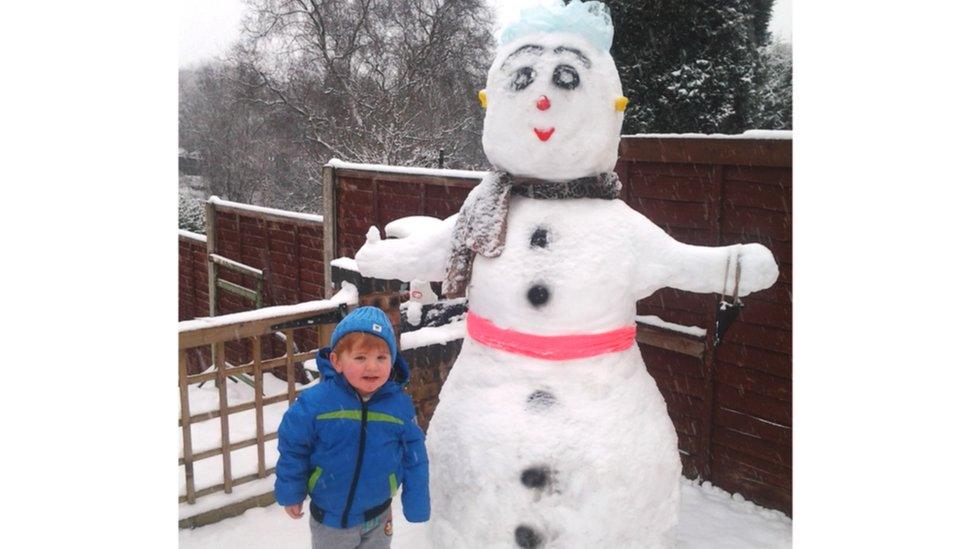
(562, 347)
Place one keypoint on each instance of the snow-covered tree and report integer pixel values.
(689, 65)
(249, 152)
(192, 216)
(381, 81)
(774, 93)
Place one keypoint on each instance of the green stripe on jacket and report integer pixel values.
(356, 415)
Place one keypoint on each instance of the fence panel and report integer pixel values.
(732, 407)
(250, 328)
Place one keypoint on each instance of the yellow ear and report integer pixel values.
(621, 103)
(483, 98)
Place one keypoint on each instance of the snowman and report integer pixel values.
(549, 431)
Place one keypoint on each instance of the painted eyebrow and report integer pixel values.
(533, 49)
(583, 59)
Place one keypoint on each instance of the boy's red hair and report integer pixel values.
(360, 340)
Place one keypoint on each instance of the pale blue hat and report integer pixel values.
(591, 20)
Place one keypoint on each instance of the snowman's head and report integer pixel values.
(553, 101)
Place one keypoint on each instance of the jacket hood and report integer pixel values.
(399, 374)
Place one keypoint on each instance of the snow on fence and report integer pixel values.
(731, 405)
(210, 336)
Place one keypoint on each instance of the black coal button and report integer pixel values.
(540, 238)
(538, 295)
(527, 537)
(535, 477)
(540, 399)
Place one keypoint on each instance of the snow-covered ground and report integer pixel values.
(709, 518)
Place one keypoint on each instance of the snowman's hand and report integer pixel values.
(371, 259)
(758, 269)
(372, 235)
(422, 255)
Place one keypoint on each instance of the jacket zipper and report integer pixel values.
(359, 464)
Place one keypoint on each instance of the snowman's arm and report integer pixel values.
(662, 262)
(420, 256)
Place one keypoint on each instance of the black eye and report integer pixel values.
(523, 77)
(565, 77)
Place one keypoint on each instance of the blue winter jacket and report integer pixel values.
(351, 456)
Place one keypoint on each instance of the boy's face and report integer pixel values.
(365, 367)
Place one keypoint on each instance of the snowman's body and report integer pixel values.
(574, 453)
(551, 452)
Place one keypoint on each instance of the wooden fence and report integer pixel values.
(211, 335)
(731, 405)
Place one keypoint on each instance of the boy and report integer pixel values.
(349, 441)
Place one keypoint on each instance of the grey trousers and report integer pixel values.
(326, 537)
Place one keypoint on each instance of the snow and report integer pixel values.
(437, 172)
(748, 134)
(405, 226)
(348, 295)
(347, 263)
(241, 426)
(436, 335)
(657, 321)
(221, 261)
(422, 256)
(193, 236)
(756, 418)
(585, 122)
(708, 516)
(261, 209)
(709, 519)
(415, 312)
(422, 293)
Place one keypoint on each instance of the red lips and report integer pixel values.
(543, 135)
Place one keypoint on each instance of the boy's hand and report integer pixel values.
(295, 511)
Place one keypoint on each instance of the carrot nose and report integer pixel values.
(542, 103)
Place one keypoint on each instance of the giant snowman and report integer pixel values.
(549, 431)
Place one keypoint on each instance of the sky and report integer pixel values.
(208, 28)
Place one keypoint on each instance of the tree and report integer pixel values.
(689, 65)
(192, 217)
(380, 81)
(774, 93)
(249, 152)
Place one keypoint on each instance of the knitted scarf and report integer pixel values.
(483, 219)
